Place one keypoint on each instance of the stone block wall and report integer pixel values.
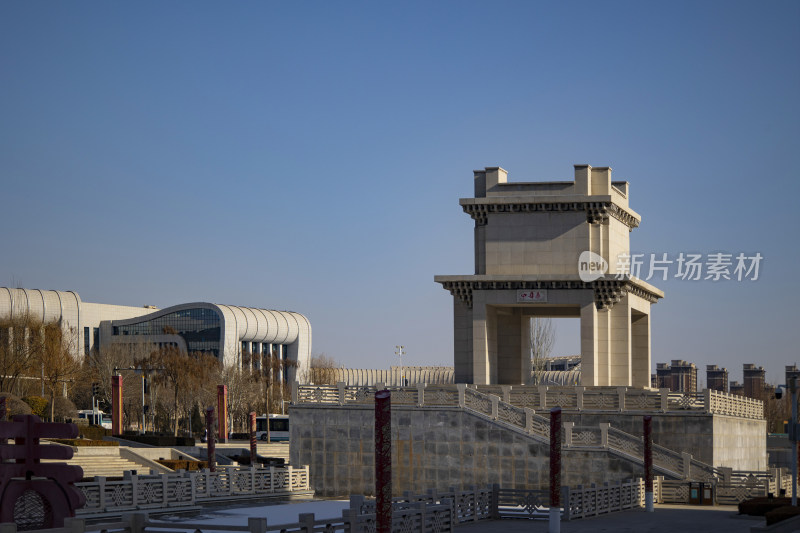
(718, 440)
(433, 448)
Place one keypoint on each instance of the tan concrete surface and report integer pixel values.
(666, 518)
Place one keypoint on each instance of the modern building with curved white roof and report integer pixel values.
(227, 331)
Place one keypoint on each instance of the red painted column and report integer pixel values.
(555, 470)
(212, 448)
(3, 416)
(648, 463)
(222, 412)
(116, 405)
(383, 461)
(253, 444)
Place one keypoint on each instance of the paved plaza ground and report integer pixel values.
(666, 518)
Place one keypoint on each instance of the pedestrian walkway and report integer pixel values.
(665, 519)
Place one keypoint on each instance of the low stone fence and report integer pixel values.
(544, 398)
(584, 502)
(416, 517)
(428, 513)
(730, 487)
(466, 505)
(186, 489)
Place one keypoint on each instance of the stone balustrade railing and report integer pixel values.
(433, 512)
(728, 489)
(468, 505)
(584, 502)
(186, 489)
(543, 398)
(625, 399)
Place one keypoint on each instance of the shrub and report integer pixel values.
(38, 405)
(781, 513)
(64, 409)
(164, 441)
(86, 442)
(183, 464)
(15, 406)
(760, 506)
(244, 459)
(94, 432)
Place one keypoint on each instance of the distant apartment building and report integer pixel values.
(754, 380)
(736, 388)
(717, 378)
(792, 372)
(679, 376)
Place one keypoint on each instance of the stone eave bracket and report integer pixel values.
(607, 291)
(597, 211)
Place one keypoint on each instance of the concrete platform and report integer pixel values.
(665, 519)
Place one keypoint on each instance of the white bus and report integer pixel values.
(278, 428)
(95, 419)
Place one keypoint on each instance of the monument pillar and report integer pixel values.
(544, 250)
(590, 344)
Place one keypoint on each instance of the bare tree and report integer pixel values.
(21, 344)
(58, 361)
(541, 340)
(244, 394)
(101, 363)
(776, 412)
(323, 370)
(181, 373)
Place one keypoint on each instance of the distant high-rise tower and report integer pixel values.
(717, 378)
(684, 376)
(792, 372)
(754, 380)
(680, 376)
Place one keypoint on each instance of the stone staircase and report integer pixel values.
(102, 461)
(274, 449)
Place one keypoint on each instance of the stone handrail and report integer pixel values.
(625, 399)
(544, 398)
(419, 516)
(730, 404)
(188, 488)
(468, 505)
(583, 502)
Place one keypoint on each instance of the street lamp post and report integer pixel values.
(793, 431)
(793, 388)
(399, 353)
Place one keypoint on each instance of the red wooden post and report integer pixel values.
(116, 405)
(555, 470)
(222, 412)
(3, 416)
(648, 463)
(383, 461)
(212, 448)
(253, 446)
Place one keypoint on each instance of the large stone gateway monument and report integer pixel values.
(532, 258)
(487, 427)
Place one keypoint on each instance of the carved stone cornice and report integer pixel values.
(596, 212)
(607, 292)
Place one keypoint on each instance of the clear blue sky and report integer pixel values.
(310, 156)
